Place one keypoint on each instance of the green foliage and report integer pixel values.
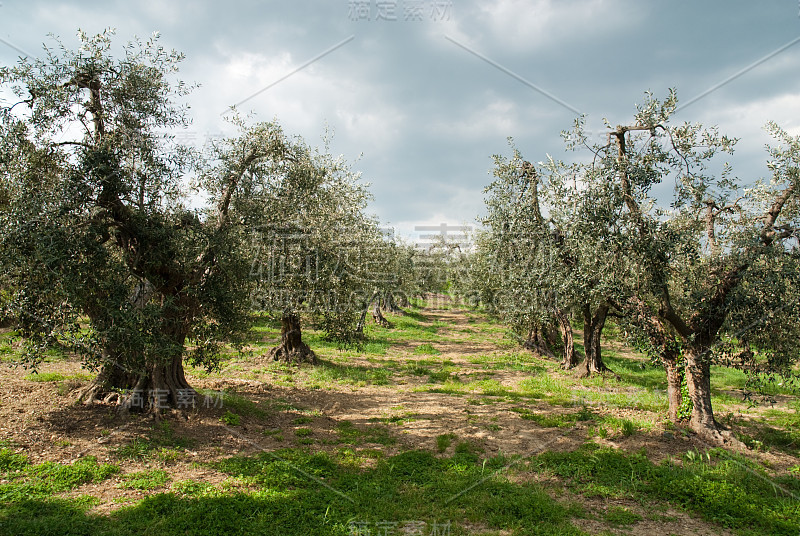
(12, 461)
(685, 409)
(230, 418)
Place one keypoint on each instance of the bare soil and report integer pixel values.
(40, 419)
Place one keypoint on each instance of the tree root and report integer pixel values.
(296, 355)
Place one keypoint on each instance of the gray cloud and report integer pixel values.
(426, 114)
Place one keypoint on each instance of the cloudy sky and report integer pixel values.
(420, 93)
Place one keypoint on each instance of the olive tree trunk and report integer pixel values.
(674, 380)
(142, 384)
(537, 343)
(570, 357)
(592, 333)
(698, 382)
(292, 349)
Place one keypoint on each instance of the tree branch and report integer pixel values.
(769, 234)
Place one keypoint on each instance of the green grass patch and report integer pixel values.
(351, 434)
(22, 481)
(722, 487)
(191, 488)
(327, 372)
(426, 349)
(230, 418)
(161, 444)
(145, 480)
(444, 441)
(620, 516)
(44, 377)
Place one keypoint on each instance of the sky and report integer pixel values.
(419, 94)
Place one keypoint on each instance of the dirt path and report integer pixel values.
(38, 419)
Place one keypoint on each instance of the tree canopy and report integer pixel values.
(710, 277)
(109, 251)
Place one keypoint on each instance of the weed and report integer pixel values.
(231, 419)
(628, 428)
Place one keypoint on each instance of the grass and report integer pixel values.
(161, 444)
(620, 516)
(413, 485)
(145, 480)
(56, 377)
(362, 475)
(22, 481)
(353, 435)
(444, 441)
(329, 373)
(722, 488)
(426, 349)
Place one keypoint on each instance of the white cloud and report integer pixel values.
(746, 120)
(530, 25)
(499, 117)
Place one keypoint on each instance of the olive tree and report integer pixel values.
(549, 238)
(103, 251)
(716, 270)
(313, 245)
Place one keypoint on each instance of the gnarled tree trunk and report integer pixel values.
(292, 349)
(698, 382)
(378, 317)
(570, 357)
(146, 385)
(592, 332)
(537, 343)
(674, 380)
(402, 300)
(159, 386)
(389, 304)
(363, 318)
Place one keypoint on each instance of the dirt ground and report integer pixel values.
(40, 420)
